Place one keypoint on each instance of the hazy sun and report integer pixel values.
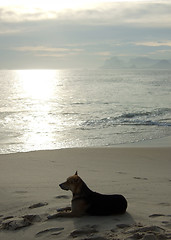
(37, 84)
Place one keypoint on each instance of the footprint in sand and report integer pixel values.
(156, 215)
(140, 178)
(123, 225)
(62, 197)
(8, 217)
(53, 231)
(165, 204)
(83, 231)
(140, 232)
(37, 205)
(121, 172)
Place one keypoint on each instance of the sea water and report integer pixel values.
(52, 109)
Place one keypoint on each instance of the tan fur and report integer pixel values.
(73, 184)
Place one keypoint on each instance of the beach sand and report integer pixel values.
(29, 192)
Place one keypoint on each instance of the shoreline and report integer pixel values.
(152, 143)
(158, 142)
(141, 173)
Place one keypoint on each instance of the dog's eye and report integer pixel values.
(70, 181)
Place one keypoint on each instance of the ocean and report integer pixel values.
(53, 109)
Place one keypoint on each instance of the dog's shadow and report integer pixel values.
(104, 222)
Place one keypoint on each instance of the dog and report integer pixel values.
(87, 202)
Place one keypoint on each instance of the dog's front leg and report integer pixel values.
(78, 209)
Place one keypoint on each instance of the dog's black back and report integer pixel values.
(100, 204)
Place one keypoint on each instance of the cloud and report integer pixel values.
(103, 54)
(21, 15)
(46, 37)
(154, 44)
(112, 13)
(39, 49)
(43, 51)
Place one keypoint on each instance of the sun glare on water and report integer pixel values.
(37, 84)
(38, 89)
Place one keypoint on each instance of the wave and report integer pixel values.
(155, 112)
(154, 118)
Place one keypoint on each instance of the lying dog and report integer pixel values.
(87, 202)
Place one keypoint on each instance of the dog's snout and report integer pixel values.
(64, 186)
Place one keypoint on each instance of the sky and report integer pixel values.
(55, 34)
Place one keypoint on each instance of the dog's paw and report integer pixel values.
(66, 209)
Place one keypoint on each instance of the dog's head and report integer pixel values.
(72, 183)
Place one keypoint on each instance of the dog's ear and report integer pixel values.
(76, 173)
